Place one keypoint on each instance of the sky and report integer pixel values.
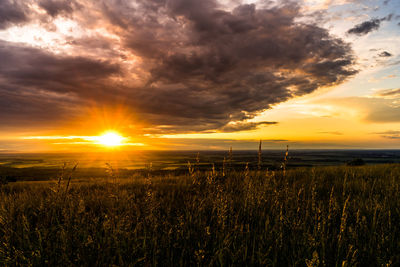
(189, 74)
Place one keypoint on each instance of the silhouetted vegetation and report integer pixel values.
(356, 162)
(328, 216)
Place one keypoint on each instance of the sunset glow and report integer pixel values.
(237, 72)
(121, 120)
(110, 139)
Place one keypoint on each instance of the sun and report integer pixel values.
(110, 139)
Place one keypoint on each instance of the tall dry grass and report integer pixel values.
(326, 216)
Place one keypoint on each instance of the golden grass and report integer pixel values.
(327, 216)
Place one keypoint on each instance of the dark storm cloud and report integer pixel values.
(385, 54)
(37, 87)
(225, 66)
(200, 67)
(11, 12)
(32, 67)
(18, 12)
(33, 107)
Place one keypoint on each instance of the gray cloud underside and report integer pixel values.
(55, 8)
(38, 87)
(11, 12)
(201, 67)
(16, 12)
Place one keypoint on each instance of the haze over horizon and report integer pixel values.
(85, 75)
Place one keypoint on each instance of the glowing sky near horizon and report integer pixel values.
(187, 74)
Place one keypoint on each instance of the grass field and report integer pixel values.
(323, 216)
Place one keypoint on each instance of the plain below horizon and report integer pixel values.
(178, 160)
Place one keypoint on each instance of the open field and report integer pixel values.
(40, 166)
(200, 133)
(322, 216)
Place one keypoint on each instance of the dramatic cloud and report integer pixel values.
(11, 12)
(56, 7)
(184, 64)
(38, 87)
